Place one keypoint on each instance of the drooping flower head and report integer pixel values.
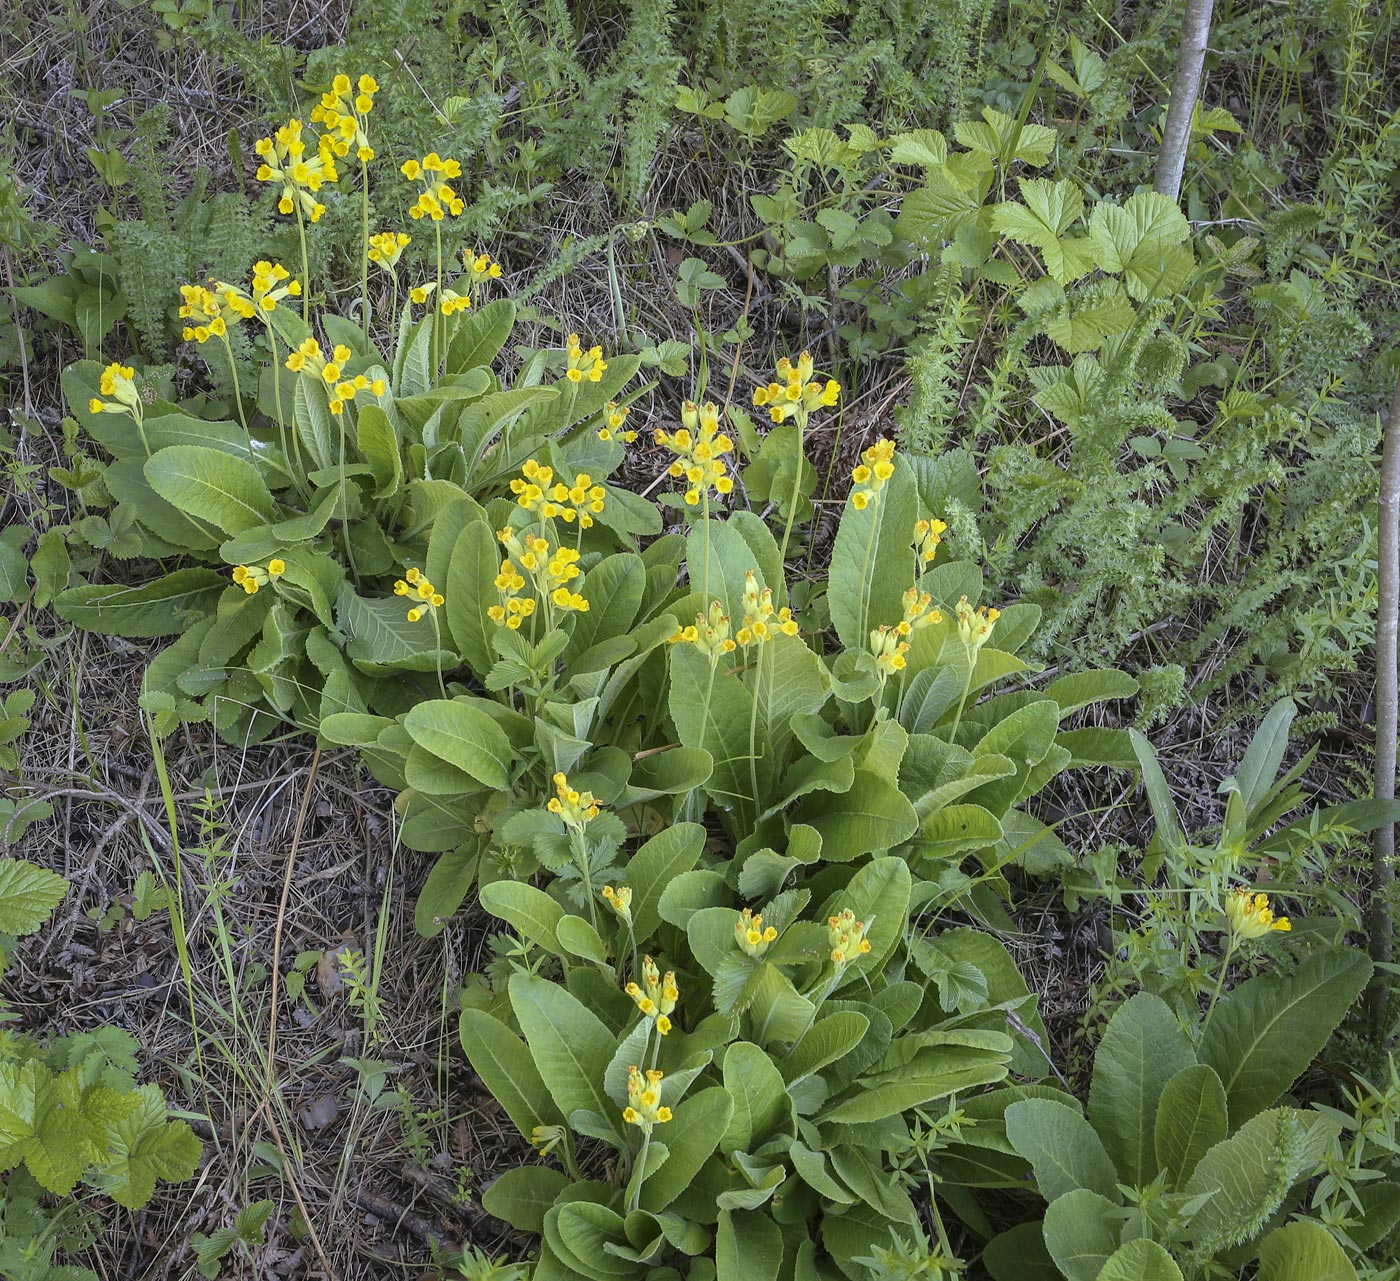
(252, 577)
(308, 359)
(656, 996)
(117, 383)
(344, 115)
(871, 473)
(761, 621)
(644, 1100)
(284, 160)
(796, 394)
(846, 935)
(888, 650)
(582, 364)
(438, 198)
(1249, 915)
(614, 422)
(975, 625)
(699, 447)
(928, 534)
(752, 936)
(576, 808)
(709, 634)
(386, 248)
(620, 900)
(427, 599)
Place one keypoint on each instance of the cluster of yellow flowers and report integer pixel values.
(117, 383)
(975, 625)
(479, 267)
(888, 650)
(551, 571)
(752, 935)
(1250, 917)
(620, 900)
(386, 248)
(614, 416)
(875, 468)
(285, 160)
(887, 644)
(644, 1100)
(308, 359)
(415, 583)
(535, 489)
(657, 999)
(699, 447)
(343, 113)
(437, 198)
(846, 935)
(928, 534)
(709, 634)
(207, 305)
(761, 621)
(513, 609)
(250, 577)
(577, 809)
(584, 364)
(796, 394)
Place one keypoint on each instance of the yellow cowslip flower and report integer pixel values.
(513, 608)
(796, 395)
(480, 267)
(699, 447)
(644, 1100)
(761, 621)
(614, 416)
(657, 996)
(308, 359)
(875, 468)
(584, 496)
(975, 625)
(709, 634)
(386, 248)
(752, 936)
(545, 1138)
(551, 571)
(451, 302)
(847, 938)
(584, 364)
(415, 584)
(577, 809)
(267, 291)
(343, 113)
(530, 485)
(620, 900)
(438, 198)
(285, 161)
(116, 383)
(888, 650)
(250, 577)
(927, 536)
(917, 613)
(1249, 916)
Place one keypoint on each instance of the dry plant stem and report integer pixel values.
(266, 1106)
(1186, 87)
(1387, 704)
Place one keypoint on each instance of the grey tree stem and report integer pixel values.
(1186, 87)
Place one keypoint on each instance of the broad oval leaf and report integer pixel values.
(465, 737)
(212, 485)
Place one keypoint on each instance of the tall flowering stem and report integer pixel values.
(796, 396)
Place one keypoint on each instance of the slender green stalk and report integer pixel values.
(364, 251)
(437, 643)
(305, 269)
(581, 856)
(238, 400)
(801, 420)
(1219, 982)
